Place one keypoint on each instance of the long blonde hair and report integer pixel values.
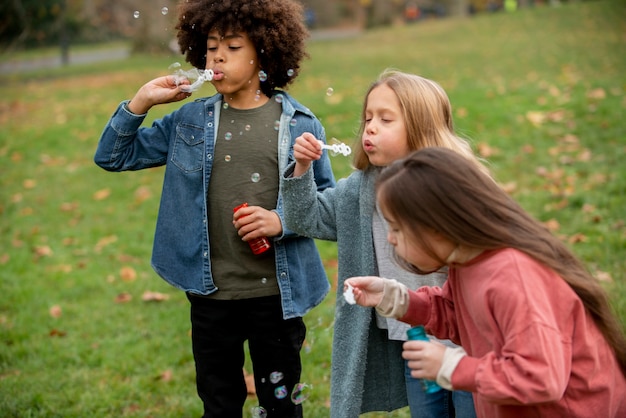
(427, 115)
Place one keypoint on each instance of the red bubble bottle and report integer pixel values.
(258, 245)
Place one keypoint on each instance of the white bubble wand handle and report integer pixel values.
(339, 148)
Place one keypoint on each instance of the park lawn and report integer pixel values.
(86, 326)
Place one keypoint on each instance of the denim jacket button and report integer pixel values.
(209, 156)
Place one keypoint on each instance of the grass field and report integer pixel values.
(541, 93)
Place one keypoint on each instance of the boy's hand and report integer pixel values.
(367, 290)
(160, 90)
(255, 222)
(424, 358)
(306, 149)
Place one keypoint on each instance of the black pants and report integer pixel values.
(219, 330)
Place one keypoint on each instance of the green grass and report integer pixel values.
(541, 93)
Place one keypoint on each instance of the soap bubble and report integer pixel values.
(227, 158)
(293, 122)
(279, 98)
(228, 136)
(164, 11)
(290, 72)
(262, 75)
(276, 377)
(136, 14)
(259, 412)
(247, 128)
(280, 392)
(301, 393)
(330, 91)
(255, 177)
(264, 281)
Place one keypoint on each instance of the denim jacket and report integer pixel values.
(184, 141)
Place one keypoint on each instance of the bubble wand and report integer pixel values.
(337, 147)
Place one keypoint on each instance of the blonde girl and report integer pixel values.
(401, 113)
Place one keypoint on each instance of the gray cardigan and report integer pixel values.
(367, 369)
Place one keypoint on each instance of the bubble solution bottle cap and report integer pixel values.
(258, 245)
(418, 333)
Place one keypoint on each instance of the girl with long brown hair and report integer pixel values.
(538, 334)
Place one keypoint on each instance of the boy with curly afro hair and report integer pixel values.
(219, 152)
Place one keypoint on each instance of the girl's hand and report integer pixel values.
(367, 290)
(306, 149)
(160, 90)
(255, 222)
(424, 357)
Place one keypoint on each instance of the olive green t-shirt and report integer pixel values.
(245, 169)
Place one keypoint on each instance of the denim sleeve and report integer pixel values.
(124, 145)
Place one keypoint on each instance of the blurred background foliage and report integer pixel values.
(36, 23)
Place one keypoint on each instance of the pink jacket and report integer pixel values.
(532, 350)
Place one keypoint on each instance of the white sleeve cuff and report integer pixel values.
(451, 359)
(395, 301)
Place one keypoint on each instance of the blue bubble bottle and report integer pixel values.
(418, 333)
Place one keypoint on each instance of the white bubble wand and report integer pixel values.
(200, 76)
(337, 147)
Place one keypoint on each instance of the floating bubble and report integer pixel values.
(228, 136)
(290, 72)
(330, 91)
(136, 14)
(225, 106)
(276, 377)
(227, 158)
(281, 392)
(259, 412)
(300, 393)
(255, 177)
(279, 98)
(276, 125)
(262, 75)
(264, 281)
(247, 128)
(293, 122)
(165, 11)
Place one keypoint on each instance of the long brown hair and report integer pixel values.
(437, 189)
(427, 114)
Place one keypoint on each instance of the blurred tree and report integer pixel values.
(29, 23)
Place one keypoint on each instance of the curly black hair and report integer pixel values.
(275, 27)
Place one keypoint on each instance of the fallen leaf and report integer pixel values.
(103, 242)
(552, 225)
(598, 93)
(43, 251)
(576, 238)
(165, 376)
(149, 296)
(57, 333)
(102, 194)
(603, 276)
(128, 274)
(123, 298)
(55, 311)
(29, 183)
